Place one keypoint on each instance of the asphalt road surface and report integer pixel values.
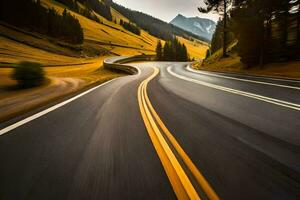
(242, 134)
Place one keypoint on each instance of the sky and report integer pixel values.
(167, 10)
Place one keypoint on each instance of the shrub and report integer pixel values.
(29, 74)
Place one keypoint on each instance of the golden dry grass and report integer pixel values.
(89, 72)
(63, 81)
(12, 52)
(108, 32)
(67, 70)
(196, 49)
(118, 16)
(232, 64)
(105, 33)
(218, 54)
(126, 51)
(288, 70)
(37, 40)
(16, 102)
(5, 80)
(98, 36)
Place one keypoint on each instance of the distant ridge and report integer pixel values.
(154, 26)
(199, 26)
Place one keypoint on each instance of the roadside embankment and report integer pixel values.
(232, 64)
(62, 81)
(117, 63)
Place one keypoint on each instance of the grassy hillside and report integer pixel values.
(196, 48)
(101, 39)
(154, 25)
(233, 64)
(108, 32)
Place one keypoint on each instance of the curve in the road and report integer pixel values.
(238, 142)
(239, 92)
(244, 80)
(179, 180)
(161, 138)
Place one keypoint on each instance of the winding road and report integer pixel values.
(167, 132)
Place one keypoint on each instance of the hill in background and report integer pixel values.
(46, 32)
(102, 37)
(201, 27)
(156, 26)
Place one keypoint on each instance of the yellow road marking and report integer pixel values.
(180, 182)
(211, 194)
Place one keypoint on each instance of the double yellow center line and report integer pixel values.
(163, 142)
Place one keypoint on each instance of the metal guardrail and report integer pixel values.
(118, 63)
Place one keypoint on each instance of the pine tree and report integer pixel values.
(131, 27)
(178, 48)
(298, 27)
(159, 51)
(217, 41)
(208, 53)
(219, 6)
(185, 54)
(75, 5)
(274, 35)
(33, 16)
(167, 51)
(175, 51)
(64, 14)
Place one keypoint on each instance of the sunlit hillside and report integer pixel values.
(118, 16)
(196, 49)
(101, 39)
(69, 67)
(109, 33)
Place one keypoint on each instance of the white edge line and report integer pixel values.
(244, 80)
(265, 77)
(48, 110)
(139, 70)
(238, 92)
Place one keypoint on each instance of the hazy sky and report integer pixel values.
(167, 9)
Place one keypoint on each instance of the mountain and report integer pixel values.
(40, 27)
(154, 26)
(198, 26)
